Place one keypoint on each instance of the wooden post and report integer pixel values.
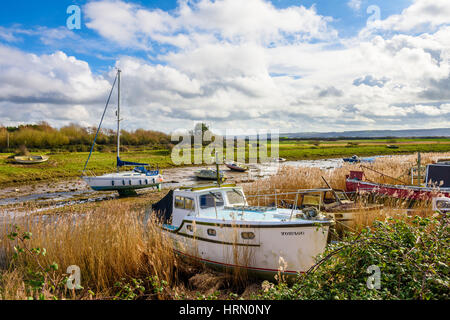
(276, 198)
(418, 165)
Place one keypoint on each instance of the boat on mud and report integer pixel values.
(441, 204)
(236, 166)
(125, 182)
(437, 184)
(336, 204)
(30, 159)
(209, 174)
(356, 159)
(215, 225)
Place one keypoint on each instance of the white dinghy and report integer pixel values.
(124, 182)
(216, 226)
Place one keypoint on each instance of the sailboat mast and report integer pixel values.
(118, 119)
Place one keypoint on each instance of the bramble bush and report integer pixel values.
(412, 255)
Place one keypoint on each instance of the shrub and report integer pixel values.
(412, 256)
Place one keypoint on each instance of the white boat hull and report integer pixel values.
(288, 247)
(123, 181)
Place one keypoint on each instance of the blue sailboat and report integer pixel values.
(122, 181)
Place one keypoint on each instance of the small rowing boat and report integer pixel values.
(30, 159)
(235, 166)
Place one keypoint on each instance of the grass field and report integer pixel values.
(69, 164)
(304, 149)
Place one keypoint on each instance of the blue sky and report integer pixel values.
(305, 65)
(52, 14)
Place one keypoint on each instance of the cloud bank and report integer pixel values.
(238, 64)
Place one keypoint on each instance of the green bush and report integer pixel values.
(412, 257)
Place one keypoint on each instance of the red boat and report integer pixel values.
(437, 175)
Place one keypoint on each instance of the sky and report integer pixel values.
(292, 66)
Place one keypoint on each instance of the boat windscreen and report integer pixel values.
(211, 200)
(235, 197)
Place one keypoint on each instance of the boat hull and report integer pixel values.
(31, 159)
(123, 183)
(209, 176)
(287, 248)
(236, 167)
(396, 191)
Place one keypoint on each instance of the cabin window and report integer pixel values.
(179, 202)
(112, 182)
(248, 235)
(212, 232)
(207, 200)
(189, 204)
(189, 227)
(235, 197)
(123, 181)
(184, 203)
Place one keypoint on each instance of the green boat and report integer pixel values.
(209, 174)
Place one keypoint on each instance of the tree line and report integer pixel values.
(76, 138)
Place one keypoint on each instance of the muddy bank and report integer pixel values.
(75, 190)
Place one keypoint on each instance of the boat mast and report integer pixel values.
(118, 119)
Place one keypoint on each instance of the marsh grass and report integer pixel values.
(108, 243)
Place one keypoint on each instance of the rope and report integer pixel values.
(99, 126)
(383, 174)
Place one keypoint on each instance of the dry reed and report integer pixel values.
(108, 243)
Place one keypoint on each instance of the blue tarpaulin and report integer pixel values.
(121, 163)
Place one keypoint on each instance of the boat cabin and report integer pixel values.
(196, 201)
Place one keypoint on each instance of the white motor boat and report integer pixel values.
(216, 226)
(122, 181)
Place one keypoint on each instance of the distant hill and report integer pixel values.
(414, 133)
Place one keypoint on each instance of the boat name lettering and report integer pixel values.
(293, 233)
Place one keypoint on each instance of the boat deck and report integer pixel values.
(253, 214)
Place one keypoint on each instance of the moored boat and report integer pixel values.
(235, 166)
(125, 182)
(437, 185)
(209, 174)
(216, 226)
(337, 204)
(441, 204)
(30, 159)
(356, 159)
